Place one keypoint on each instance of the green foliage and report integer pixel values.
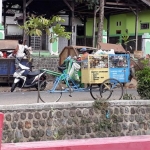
(100, 104)
(90, 3)
(127, 96)
(143, 79)
(125, 39)
(103, 124)
(36, 26)
(87, 1)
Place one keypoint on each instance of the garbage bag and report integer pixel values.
(73, 73)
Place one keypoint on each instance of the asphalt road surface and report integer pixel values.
(30, 96)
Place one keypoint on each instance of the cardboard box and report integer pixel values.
(138, 54)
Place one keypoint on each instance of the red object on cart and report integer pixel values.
(4, 54)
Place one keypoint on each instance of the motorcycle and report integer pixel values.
(25, 78)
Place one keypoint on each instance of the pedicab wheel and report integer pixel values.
(42, 85)
(95, 91)
(48, 95)
(111, 89)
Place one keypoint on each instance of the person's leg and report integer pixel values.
(17, 61)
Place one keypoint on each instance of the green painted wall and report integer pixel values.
(130, 23)
(144, 17)
(127, 22)
(89, 26)
(113, 24)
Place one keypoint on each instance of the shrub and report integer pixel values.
(143, 80)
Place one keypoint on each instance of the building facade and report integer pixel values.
(123, 24)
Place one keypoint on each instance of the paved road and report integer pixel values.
(31, 96)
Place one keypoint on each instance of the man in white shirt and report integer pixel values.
(19, 52)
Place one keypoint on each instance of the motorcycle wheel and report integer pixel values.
(42, 85)
(14, 85)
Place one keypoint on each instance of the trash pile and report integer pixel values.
(9, 53)
(103, 52)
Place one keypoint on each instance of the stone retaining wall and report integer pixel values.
(75, 120)
(50, 63)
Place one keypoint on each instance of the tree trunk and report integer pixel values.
(24, 17)
(100, 24)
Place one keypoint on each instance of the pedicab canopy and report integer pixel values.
(75, 50)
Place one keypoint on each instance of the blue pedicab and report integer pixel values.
(104, 75)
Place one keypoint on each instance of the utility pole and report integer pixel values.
(24, 17)
(136, 13)
(94, 23)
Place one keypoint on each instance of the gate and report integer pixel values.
(146, 44)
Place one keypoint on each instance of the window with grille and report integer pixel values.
(36, 43)
(144, 25)
(118, 31)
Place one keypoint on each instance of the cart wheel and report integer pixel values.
(51, 96)
(95, 91)
(111, 89)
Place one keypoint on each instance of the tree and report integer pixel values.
(36, 26)
(101, 22)
(91, 4)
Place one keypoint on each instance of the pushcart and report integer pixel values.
(102, 75)
(106, 75)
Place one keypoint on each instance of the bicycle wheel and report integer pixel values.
(111, 89)
(52, 92)
(95, 91)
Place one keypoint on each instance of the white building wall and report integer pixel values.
(76, 22)
(13, 29)
(11, 19)
(66, 18)
(63, 41)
